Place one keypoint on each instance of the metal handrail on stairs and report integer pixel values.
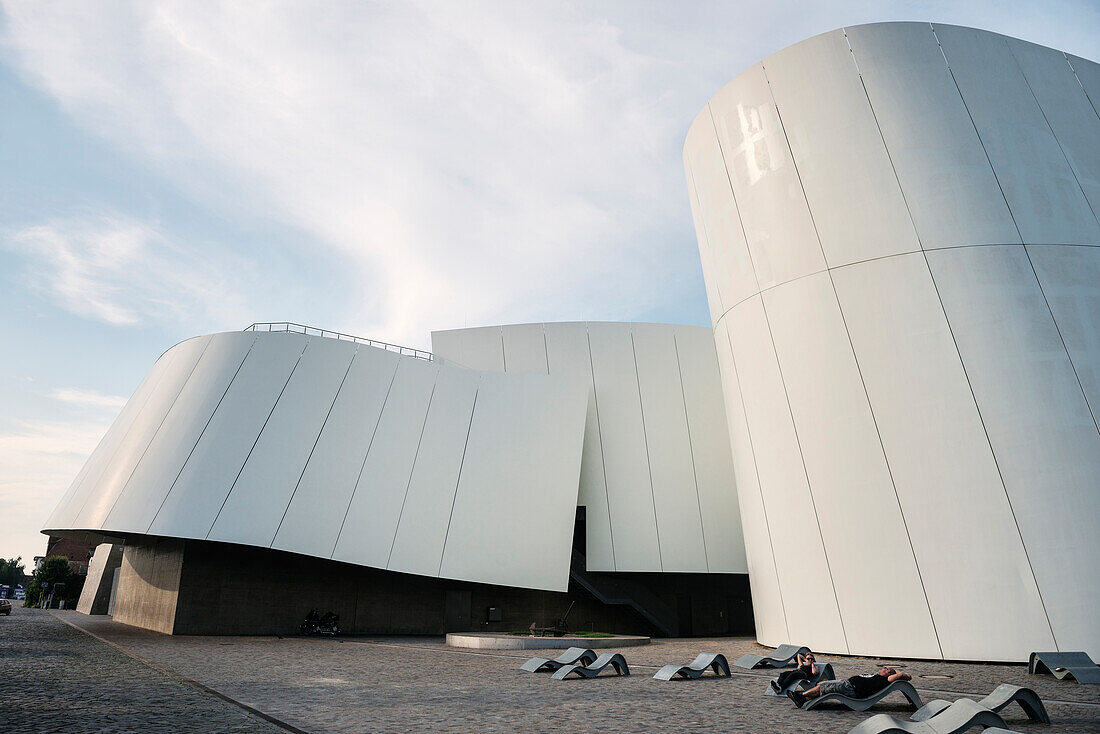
(290, 326)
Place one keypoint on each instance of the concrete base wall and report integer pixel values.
(216, 588)
(148, 584)
(95, 597)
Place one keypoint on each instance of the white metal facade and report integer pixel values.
(656, 474)
(899, 235)
(345, 451)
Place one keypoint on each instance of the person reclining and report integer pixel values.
(806, 670)
(858, 686)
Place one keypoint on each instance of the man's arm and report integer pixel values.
(899, 676)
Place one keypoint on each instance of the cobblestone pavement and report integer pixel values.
(418, 684)
(54, 678)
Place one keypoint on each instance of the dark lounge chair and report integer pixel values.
(1077, 665)
(778, 659)
(903, 687)
(698, 666)
(615, 660)
(1002, 696)
(570, 656)
(960, 716)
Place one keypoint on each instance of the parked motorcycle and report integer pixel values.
(327, 624)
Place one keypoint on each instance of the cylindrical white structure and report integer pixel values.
(899, 235)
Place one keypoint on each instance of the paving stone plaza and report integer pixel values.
(67, 672)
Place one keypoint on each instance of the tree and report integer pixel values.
(50, 572)
(12, 571)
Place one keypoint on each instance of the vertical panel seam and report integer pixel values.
(256, 441)
(110, 460)
(691, 451)
(370, 444)
(1061, 149)
(855, 356)
(706, 236)
(1077, 76)
(988, 438)
(648, 458)
(759, 487)
(603, 457)
(733, 195)
(160, 425)
(316, 441)
(183, 384)
(210, 419)
(545, 349)
(458, 480)
(412, 468)
(783, 379)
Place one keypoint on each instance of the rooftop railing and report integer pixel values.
(314, 331)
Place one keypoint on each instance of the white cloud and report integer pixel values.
(124, 272)
(93, 398)
(469, 162)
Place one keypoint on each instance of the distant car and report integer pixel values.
(5, 607)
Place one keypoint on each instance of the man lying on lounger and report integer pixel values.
(858, 686)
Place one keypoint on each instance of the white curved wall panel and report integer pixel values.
(656, 475)
(1066, 108)
(194, 498)
(261, 492)
(524, 349)
(489, 536)
(942, 466)
(848, 476)
(308, 444)
(772, 207)
(767, 596)
(1070, 279)
(1038, 422)
(625, 458)
(430, 497)
(1045, 198)
(671, 465)
(65, 513)
(800, 559)
(712, 462)
(371, 522)
(948, 184)
(1088, 74)
(731, 277)
(567, 355)
(944, 399)
(316, 511)
(100, 494)
(842, 162)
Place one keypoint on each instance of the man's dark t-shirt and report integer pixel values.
(868, 685)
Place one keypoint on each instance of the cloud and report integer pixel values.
(470, 163)
(123, 272)
(93, 398)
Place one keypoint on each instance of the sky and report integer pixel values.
(384, 169)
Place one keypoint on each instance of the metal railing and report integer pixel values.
(314, 331)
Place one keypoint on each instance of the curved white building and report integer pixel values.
(898, 228)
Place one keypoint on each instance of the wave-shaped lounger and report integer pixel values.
(960, 716)
(1001, 697)
(713, 660)
(570, 656)
(903, 687)
(615, 660)
(778, 659)
(1077, 665)
(824, 672)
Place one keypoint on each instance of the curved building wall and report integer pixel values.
(656, 474)
(344, 451)
(899, 236)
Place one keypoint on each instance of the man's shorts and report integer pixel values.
(842, 686)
